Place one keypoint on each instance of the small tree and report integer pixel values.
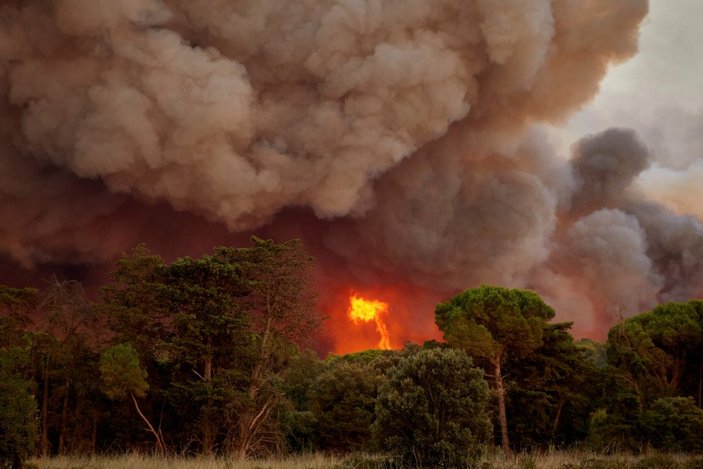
(122, 376)
(491, 324)
(432, 410)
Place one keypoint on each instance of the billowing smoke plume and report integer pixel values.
(624, 252)
(399, 138)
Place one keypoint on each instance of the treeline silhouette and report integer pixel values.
(210, 356)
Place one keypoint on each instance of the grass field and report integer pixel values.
(555, 460)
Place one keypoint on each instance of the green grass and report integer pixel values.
(552, 460)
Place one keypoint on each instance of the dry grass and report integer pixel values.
(580, 459)
(133, 461)
(553, 460)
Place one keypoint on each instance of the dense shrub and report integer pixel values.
(432, 410)
(674, 424)
(342, 401)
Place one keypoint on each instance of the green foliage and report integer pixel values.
(18, 423)
(298, 379)
(674, 424)
(132, 303)
(216, 341)
(553, 392)
(210, 346)
(654, 360)
(489, 322)
(15, 303)
(65, 346)
(596, 352)
(299, 423)
(214, 334)
(649, 352)
(342, 401)
(598, 435)
(121, 373)
(494, 324)
(18, 408)
(432, 411)
(617, 427)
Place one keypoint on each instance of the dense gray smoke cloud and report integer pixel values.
(409, 128)
(605, 166)
(619, 250)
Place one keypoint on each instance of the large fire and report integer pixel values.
(363, 310)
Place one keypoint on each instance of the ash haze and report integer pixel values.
(407, 142)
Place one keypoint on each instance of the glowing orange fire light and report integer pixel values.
(363, 310)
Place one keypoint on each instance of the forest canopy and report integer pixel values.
(212, 356)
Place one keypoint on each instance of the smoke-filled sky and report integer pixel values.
(658, 93)
(409, 143)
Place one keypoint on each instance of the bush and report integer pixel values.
(674, 424)
(342, 401)
(432, 410)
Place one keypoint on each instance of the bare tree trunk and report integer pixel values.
(64, 419)
(94, 436)
(45, 411)
(676, 374)
(159, 442)
(241, 447)
(250, 420)
(248, 427)
(556, 419)
(502, 416)
(208, 430)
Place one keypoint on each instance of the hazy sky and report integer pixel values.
(659, 94)
(665, 76)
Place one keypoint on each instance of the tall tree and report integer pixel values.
(553, 391)
(218, 330)
(211, 340)
(69, 332)
(281, 305)
(137, 309)
(133, 305)
(492, 324)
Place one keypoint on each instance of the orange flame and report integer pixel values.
(363, 310)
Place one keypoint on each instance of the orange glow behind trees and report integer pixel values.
(363, 310)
